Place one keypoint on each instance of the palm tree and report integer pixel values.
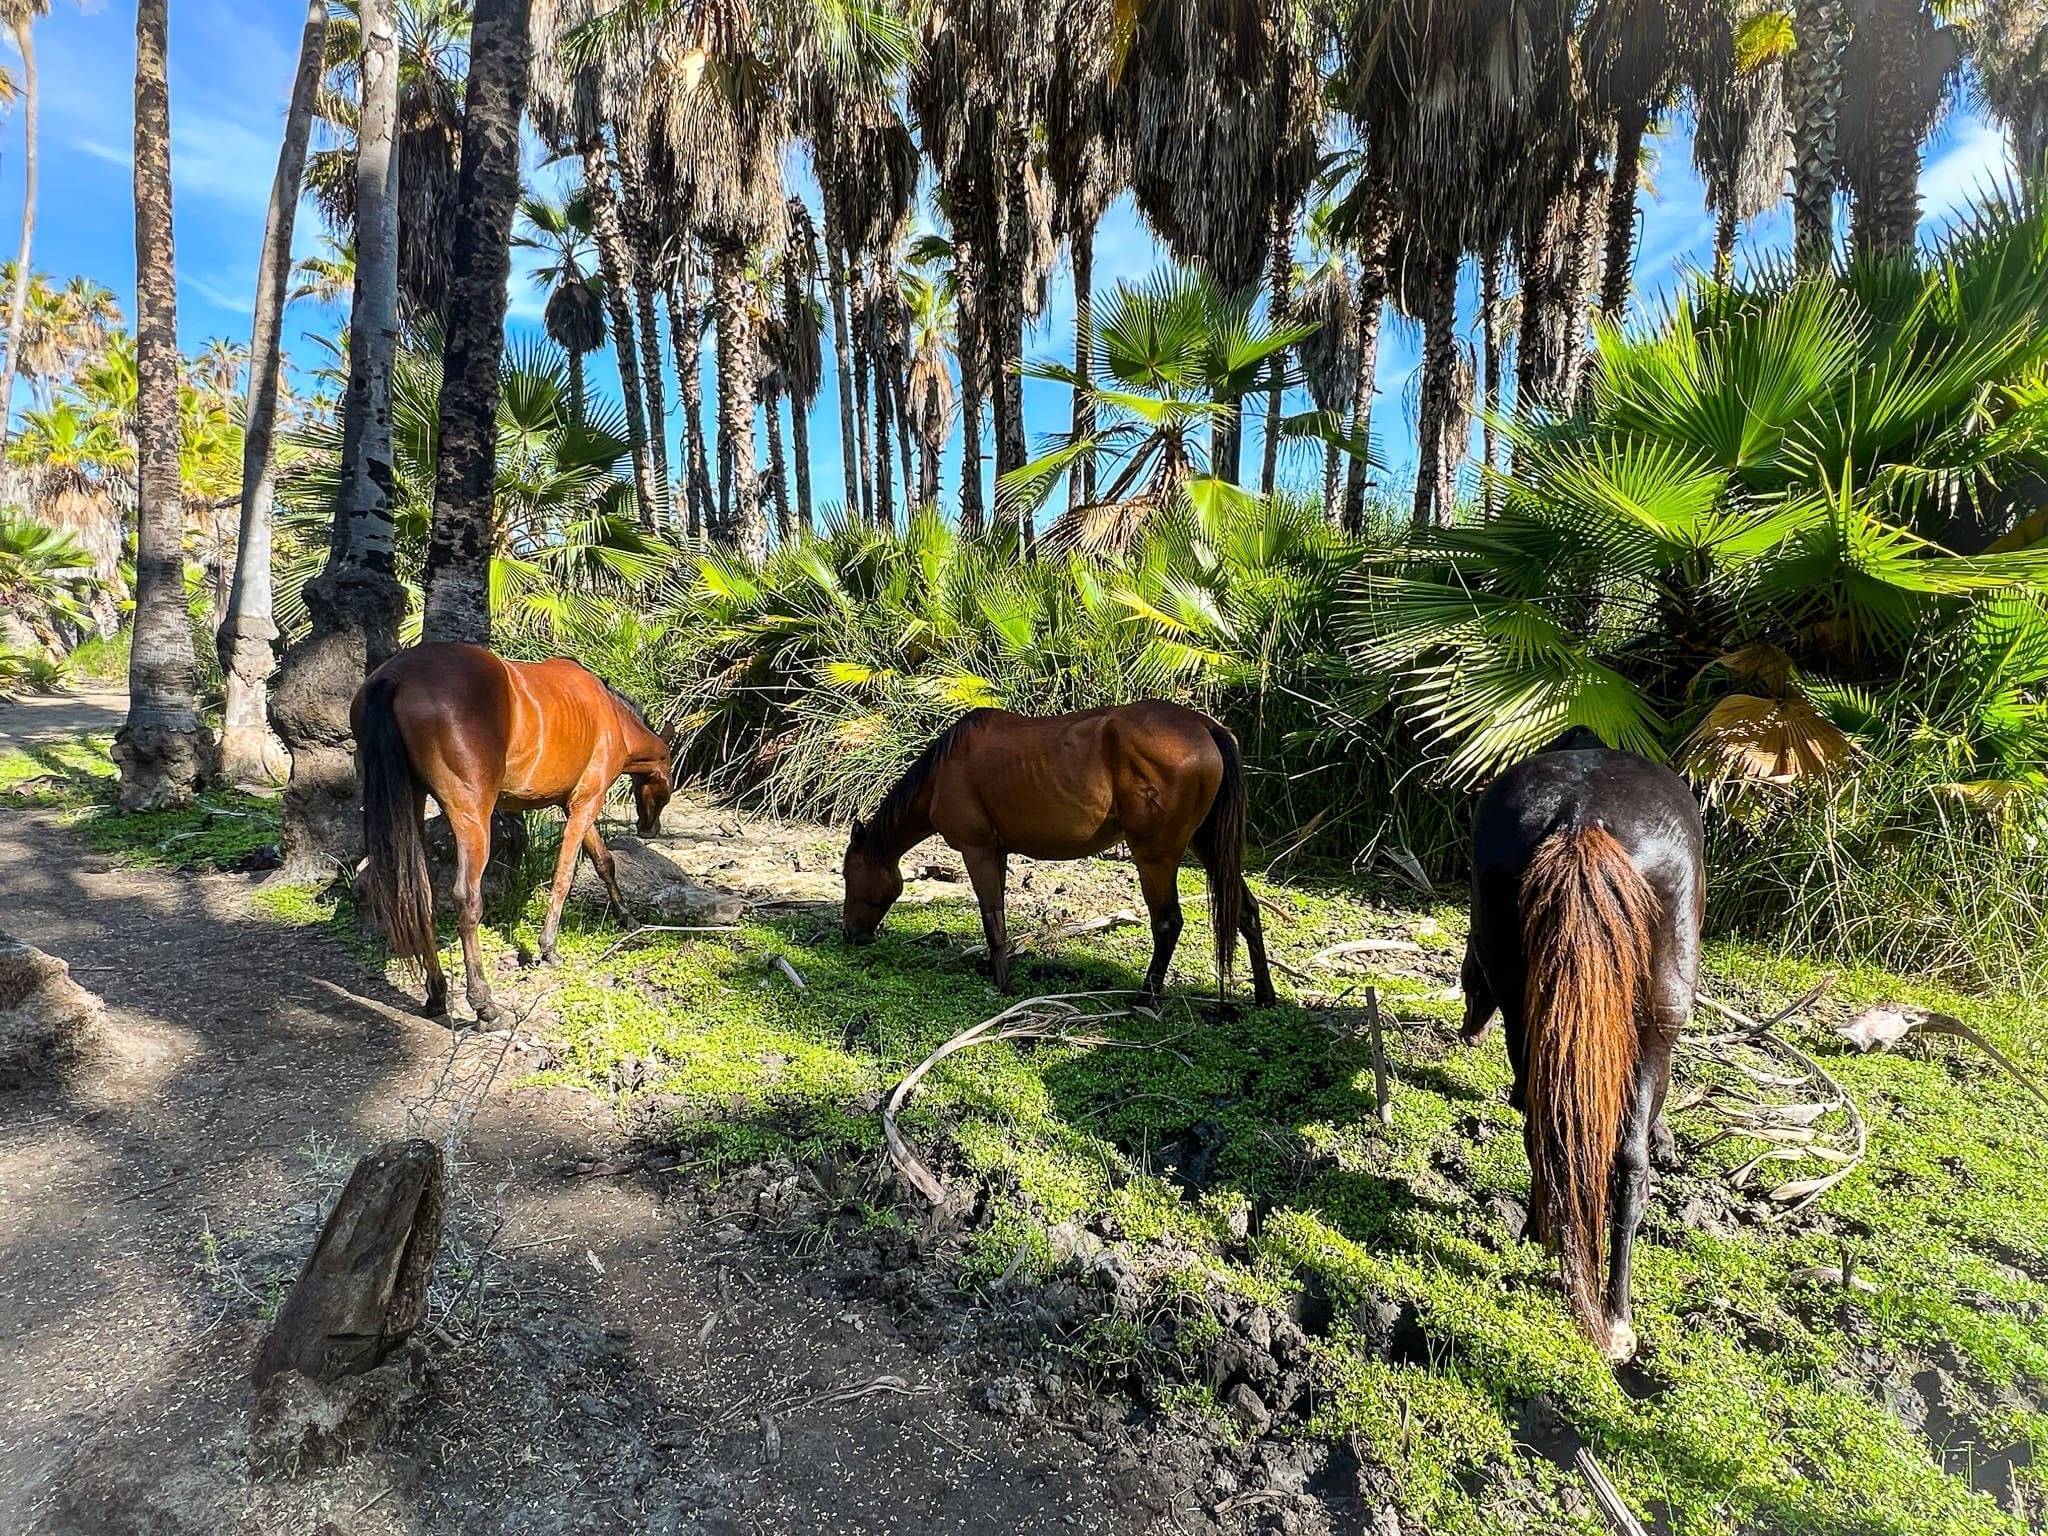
(353, 607)
(801, 358)
(1741, 139)
(20, 17)
(1818, 78)
(1898, 65)
(574, 314)
(2009, 49)
(1172, 358)
(458, 603)
(930, 400)
(682, 287)
(1328, 355)
(433, 53)
(323, 279)
(162, 748)
(46, 583)
(248, 752)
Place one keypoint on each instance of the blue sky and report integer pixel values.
(231, 68)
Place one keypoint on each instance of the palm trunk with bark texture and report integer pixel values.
(970, 352)
(1489, 329)
(878, 366)
(1886, 214)
(641, 238)
(1582, 270)
(740, 526)
(1630, 126)
(1724, 243)
(1014, 243)
(1439, 370)
(24, 271)
(163, 750)
(842, 340)
(354, 605)
(686, 341)
(863, 409)
(463, 534)
(249, 754)
(799, 415)
(778, 470)
(615, 266)
(1372, 299)
(1081, 479)
(1822, 30)
(1279, 286)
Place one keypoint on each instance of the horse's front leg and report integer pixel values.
(1159, 880)
(989, 868)
(582, 823)
(472, 829)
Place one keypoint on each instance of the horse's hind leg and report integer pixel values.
(1159, 879)
(437, 979)
(1254, 930)
(472, 831)
(1479, 1004)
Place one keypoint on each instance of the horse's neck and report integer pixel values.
(644, 749)
(913, 829)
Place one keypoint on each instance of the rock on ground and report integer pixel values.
(46, 1018)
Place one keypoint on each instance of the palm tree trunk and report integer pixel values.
(641, 238)
(1372, 298)
(799, 414)
(898, 331)
(971, 354)
(842, 340)
(863, 411)
(1822, 28)
(1886, 213)
(248, 752)
(615, 266)
(778, 470)
(1582, 270)
(1279, 285)
(739, 525)
(1724, 242)
(878, 361)
(927, 472)
(1630, 126)
(576, 401)
(1439, 369)
(686, 341)
(464, 532)
(162, 749)
(17, 301)
(355, 603)
(1006, 362)
(1081, 481)
(1489, 326)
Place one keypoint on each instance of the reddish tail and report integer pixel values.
(1587, 920)
(1219, 840)
(401, 897)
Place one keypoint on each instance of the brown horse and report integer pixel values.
(1588, 889)
(482, 734)
(1152, 775)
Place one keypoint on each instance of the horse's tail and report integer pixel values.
(400, 895)
(1587, 919)
(1220, 843)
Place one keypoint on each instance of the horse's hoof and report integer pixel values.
(487, 1012)
(435, 1007)
(550, 956)
(1621, 1344)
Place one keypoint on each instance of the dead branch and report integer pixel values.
(1381, 1099)
(667, 928)
(1881, 1027)
(795, 979)
(1365, 947)
(1033, 1018)
(1620, 1518)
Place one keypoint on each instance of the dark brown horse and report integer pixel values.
(1153, 775)
(482, 734)
(1588, 889)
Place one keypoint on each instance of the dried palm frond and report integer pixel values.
(1747, 740)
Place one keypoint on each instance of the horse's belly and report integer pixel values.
(1038, 843)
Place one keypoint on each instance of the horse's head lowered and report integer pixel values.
(873, 882)
(651, 793)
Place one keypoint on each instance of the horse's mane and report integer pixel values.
(631, 708)
(895, 806)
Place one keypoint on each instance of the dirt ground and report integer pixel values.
(607, 1354)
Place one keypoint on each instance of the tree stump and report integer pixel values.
(46, 1018)
(364, 1289)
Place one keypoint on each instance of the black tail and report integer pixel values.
(1219, 840)
(401, 897)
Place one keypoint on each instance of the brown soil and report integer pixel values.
(605, 1353)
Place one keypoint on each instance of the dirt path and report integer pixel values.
(628, 1369)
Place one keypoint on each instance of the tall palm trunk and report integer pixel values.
(1006, 362)
(1489, 329)
(971, 354)
(842, 341)
(1724, 243)
(1822, 30)
(1279, 285)
(1886, 213)
(354, 604)
(464, 531)
(577, 411)
(1372, 299)
(23, 29)
(863, 410)
(1081, 481)
(778, 469)
(1630, 126)
(162, 749)
(879, 366)
(1439, 373)
(615, 266)
(248, 752)
(641, 239)
(739, 524)
(799, 415)
(686, 341)
(1582, 267)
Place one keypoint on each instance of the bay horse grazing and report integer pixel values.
(1154, 775)
(482, 734)
(1588, 889)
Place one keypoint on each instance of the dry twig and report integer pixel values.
(1620, 1518)
(1124, 918)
